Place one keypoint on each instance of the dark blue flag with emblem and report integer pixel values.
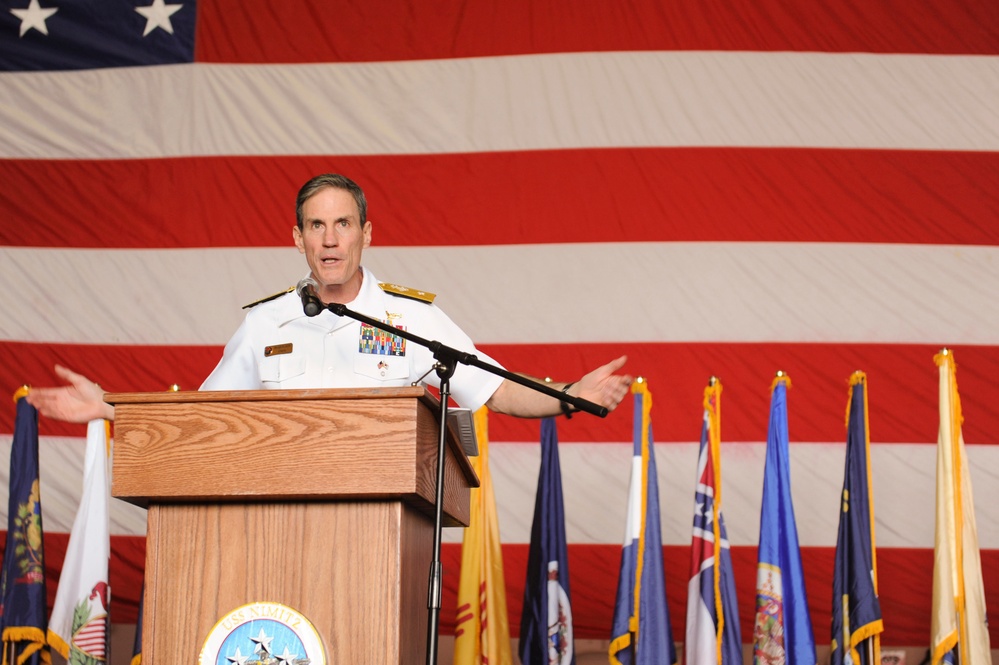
(546, 621)
(856, 612)
(22, 582)
(137, 644)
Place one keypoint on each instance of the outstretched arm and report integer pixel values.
(601, 386)
(79, 402)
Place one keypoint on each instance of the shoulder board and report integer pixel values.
(269, 298)
(406, 292)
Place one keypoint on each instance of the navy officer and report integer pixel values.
(278, 346)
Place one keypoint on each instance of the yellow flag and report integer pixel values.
(958, 620)
(482, 629)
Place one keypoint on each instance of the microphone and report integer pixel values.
(306, 290)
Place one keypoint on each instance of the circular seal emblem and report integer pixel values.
(259, 633)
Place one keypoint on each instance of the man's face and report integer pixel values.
(332, 240)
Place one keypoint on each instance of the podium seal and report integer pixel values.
(263, 634)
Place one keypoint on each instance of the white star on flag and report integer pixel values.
(34, 17)
(263, 642)
(701, 510)
(157, 16)
(237, 658)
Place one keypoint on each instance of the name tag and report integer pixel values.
(277, 350)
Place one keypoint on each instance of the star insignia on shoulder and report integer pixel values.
(269, 298)
(406, 292)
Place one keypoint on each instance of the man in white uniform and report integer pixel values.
(278, 346)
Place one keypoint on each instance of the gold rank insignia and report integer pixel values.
(406, 292)
(269, 298)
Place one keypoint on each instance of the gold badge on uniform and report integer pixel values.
(277, 350)
(406, 292)
(269, 298)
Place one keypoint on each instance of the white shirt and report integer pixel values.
(279, 347)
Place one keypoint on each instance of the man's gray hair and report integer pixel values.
(324, 181)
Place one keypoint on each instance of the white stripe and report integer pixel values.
(699, 641)
(904, 488)
(633, 504)
(554, 293)
(688, 98)
(708, 536)
(61, 461)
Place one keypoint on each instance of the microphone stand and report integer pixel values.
(447, 360)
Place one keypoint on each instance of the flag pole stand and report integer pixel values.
(447, 360)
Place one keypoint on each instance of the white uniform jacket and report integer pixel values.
(279, 347)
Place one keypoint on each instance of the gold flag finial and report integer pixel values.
(21, 392)
(781, 377)
(944, 355)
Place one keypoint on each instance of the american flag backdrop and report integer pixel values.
(720, 189)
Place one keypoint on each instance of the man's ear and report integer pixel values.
(367, 233)
(297, 236)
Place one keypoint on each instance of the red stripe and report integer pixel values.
(233, 31)
(92, 638)
(116, 368)
(902, 385)
(905, 587)
(653, 194)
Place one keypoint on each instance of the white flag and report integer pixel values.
(959, 620)
(80, 616)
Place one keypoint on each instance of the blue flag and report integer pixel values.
(641, 633)
(856, 612)
(546, 621)
(713, 633)
(22, 582)
(783, 628)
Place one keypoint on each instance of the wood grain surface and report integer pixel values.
(321, 500)
(302, 445)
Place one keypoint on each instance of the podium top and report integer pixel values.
(279, 445)
(183, 396)
(459, 420)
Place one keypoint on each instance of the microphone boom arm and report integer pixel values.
(451, 357)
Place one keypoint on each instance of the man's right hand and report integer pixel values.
(79, 402)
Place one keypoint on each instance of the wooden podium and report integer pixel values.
(320, 500)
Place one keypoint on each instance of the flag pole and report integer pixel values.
(957, 473)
